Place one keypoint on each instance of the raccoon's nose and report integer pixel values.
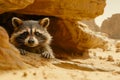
(30, 41)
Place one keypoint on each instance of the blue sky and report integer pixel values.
(112, 7)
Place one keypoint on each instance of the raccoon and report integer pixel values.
(32, 36)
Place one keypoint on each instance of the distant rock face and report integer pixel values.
(92, 25)
(111, 26)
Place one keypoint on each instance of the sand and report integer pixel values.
(97, 65)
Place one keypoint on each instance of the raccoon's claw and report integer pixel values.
(48, 55)
(22, 51)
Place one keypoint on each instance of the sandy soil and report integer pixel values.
(95, 65)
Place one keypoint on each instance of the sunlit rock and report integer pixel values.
(9, 55)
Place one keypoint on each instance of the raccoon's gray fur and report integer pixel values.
(32, 36)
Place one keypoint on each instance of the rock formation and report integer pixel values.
(64, 27)
(9, 55)
(71, 38)
(111, 26)
(91, 24)
(9, 5)
(77, 9)
(76, 40)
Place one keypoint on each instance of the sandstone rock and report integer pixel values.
(69, 36)
(75, 38)
(71, 9)
(91, 24)
(72, 38)
(9, 55)
(111, 26)
(9, 5)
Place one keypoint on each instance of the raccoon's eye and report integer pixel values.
(25, 33)
(37, 34)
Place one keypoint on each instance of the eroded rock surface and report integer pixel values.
(9, 5)
(69, 36)
(70, 39)
(92, 25)
(77, 9)
(9, 55)
(74, 38)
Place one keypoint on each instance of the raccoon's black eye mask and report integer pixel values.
(24, 35)
(37, 34)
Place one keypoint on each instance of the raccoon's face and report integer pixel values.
(30, 33)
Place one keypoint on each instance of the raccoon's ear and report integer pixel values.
(16, 22)
(44, 22)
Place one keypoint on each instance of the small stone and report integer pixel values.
(110, 58)
(24, 74)
(34, 74)
(14, 73)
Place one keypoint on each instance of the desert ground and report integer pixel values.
(95, 65)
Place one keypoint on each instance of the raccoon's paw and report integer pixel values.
(22, 51)
(48, 55)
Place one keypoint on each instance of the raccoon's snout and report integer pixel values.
(31, 41)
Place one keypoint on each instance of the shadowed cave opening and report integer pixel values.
(6, 19)
(57, 29)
